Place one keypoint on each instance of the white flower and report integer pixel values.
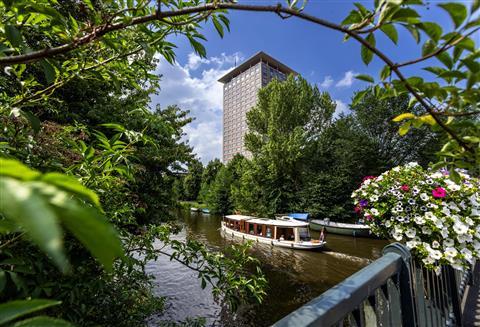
(444, 232)
(446, 211)
(415, 190)
(428, 260)
(469, 221)
(396, 169)
(374, 212)
(474, 199)
(460, 228)
(435, 254)
(467, 254)
(453, 187)
(450, 254)
(435, 244)
(448, 243)
(426, 230)
(388, 223)
(424, 196)
(397, 236)
(475, 212)
(430, 216)
(411, 201)
(374, 198)
(412, 164)
(437, 175)
(411, 232)
(419, 219)
(453, 206)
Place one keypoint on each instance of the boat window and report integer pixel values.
(304, 234)
(269, 233)
(286, 233)
(259, 230)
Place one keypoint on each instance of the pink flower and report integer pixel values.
(357, 209)
(439, 192)
(405, 188)
(369, 218)
(368, 177)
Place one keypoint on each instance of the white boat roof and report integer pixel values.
(266, 221)
(341, 225)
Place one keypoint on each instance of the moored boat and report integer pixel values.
(194, 209)
(284, 232)
(358, 230)
(205, 211)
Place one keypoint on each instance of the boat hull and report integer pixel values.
(335, 229)
(284, 244)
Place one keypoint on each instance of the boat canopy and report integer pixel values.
(299, 216)
(265, 221)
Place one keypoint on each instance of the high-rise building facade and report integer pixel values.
(240, 89)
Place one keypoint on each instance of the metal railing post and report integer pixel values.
(406, 281)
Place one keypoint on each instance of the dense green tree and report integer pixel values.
(283, 128)
(208, 176)
(219, 199)
(362, 143)
(193, 180)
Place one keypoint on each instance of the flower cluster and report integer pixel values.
(437, 218)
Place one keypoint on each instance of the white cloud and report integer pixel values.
(194, 87)
(347, 79)
(342, 108)
(327, 82)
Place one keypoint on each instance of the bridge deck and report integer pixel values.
(471, 303)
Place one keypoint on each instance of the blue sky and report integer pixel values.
(318, 54)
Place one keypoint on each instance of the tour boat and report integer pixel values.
(284, 232)
(359, 230)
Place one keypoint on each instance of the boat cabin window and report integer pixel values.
(269, 232)
(286, 233)
(304, 234)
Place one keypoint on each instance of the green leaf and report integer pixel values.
(457, 12)
(15, 309)
(445, 58)
(406, 14)
(413, 31)
(359, 96)
(428, 119)
(3, 280)
(49, 71)
(366, 78)
(93, 231)
(43, 321)
(352, 18)
(403, 116)
(404, 128)
(433, 30)
(198, 47)
(367, 55)
(89, 4)
(428, 47)
(14, 168)
(475, 6)
(391, 32)
(218, 26)
(385, 73)
(71, 185)
(13, 35)
(22, 203)
(32, 119)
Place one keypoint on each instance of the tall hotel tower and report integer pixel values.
(240, 88)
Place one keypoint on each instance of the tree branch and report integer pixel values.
(104, 29)
(445, 47)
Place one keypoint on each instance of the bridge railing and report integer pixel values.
(391, 291)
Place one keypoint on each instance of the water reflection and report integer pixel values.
(294, 277)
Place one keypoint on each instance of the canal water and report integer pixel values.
(294, 277)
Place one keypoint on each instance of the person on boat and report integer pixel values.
(282, 238)
(322, 234)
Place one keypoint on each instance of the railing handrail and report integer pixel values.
(332, 305)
